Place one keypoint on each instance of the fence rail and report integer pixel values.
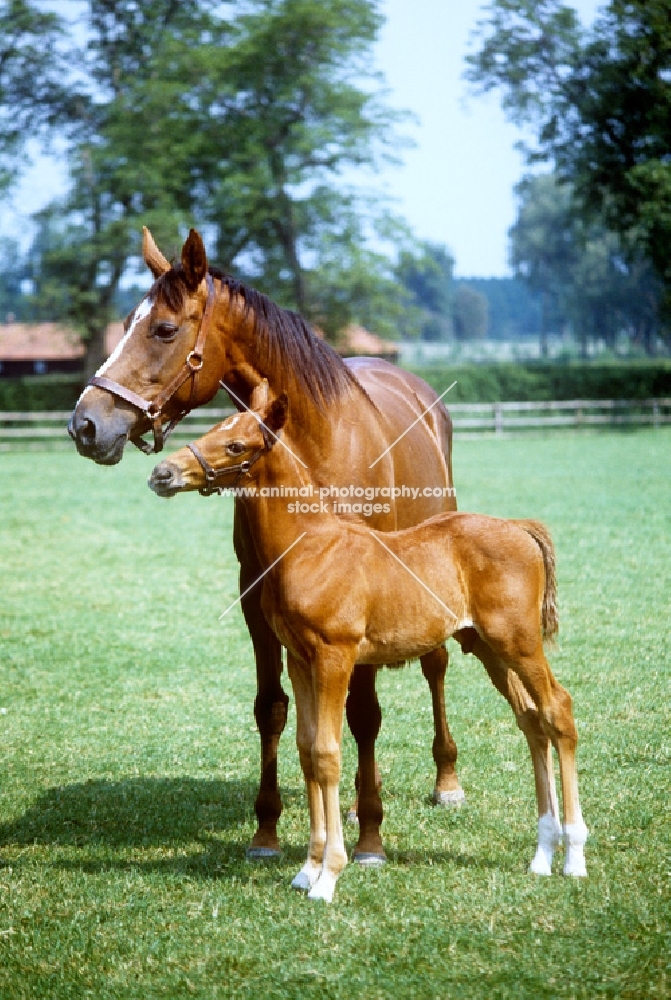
(35, 429)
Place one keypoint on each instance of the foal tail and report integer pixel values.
(550, 611)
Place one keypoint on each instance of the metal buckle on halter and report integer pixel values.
(190, 362)
(153, 411)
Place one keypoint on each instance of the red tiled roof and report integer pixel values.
(356, 340)
(47, 341)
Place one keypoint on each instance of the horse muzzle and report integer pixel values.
(97, 434)
(166, 480)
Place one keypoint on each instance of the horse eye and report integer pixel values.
(235, 448)
(165, 331)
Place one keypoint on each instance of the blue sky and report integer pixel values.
(456, 185)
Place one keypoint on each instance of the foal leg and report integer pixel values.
(528, 720)
(271, 703)
(556, 714)
(330, 677)
(447, 791)
(305, 735)
(364, 719)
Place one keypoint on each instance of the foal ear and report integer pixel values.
(153, 257)
(275, 418)
(194, 260)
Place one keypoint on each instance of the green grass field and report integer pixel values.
(129, 757)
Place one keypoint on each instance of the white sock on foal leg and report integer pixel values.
(575, 835)
(549, 838)
(324, 887)
(307, 876)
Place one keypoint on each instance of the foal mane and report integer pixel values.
(286, 348)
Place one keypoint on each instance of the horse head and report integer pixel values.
(220, 458)
(159, 370)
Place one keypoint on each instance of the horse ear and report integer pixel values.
(276, 414)
(194, 260)
(153, 257)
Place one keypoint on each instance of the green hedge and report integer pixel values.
(475, 384)
(40, 392)
(551, 380)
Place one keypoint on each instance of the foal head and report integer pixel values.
(227, 452)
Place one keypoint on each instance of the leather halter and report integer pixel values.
(153, 409)
(212, 474)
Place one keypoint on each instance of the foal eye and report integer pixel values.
(235, 448)
(165, 331)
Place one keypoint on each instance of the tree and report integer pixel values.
(471, 313)
(237, 117)
(600, 104)
(579, 268)
(425, 272)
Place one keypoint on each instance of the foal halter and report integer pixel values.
(212, 474)
(153, 409)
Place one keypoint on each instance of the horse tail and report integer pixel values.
(550, 610)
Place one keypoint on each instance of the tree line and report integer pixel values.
(245, 118)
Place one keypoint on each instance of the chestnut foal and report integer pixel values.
(337, 593)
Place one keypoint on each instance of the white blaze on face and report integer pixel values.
(142, 311)
(232, 421)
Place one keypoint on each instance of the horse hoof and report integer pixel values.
(262, 853)
(352, 817)
(302, 882)
(367, 859)
(453, 799)
(323, 889)
(540, 865)
(575, 869)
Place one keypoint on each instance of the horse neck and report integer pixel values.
(241, 366)
(273, 525)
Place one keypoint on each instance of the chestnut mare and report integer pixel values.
(389, 595)
(196, 328)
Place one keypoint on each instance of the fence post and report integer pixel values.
(498, 419)
(655, 413)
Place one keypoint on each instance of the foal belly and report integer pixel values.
(405, 634)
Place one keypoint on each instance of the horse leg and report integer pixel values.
(528, 720)
(271, 702)
(556, 716)
(364, 719)
(305, 735)
(447, 791)
(331, 672)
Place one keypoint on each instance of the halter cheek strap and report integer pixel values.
(153, 409)
(212, 474)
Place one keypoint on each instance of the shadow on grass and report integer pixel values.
(178, 822)
(135, 812)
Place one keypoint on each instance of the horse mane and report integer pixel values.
(287, 350)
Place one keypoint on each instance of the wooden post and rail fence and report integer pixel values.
(33, 430)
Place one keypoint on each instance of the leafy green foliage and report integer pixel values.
(586, 275)
(237, 117)
(600, 104)
(425, 271)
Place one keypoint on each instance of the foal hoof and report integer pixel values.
(262, 853)
(368, 859)
(453, 799)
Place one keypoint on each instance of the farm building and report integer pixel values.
(45, 348)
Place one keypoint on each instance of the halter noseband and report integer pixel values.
(153, 409)
(212, 474)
